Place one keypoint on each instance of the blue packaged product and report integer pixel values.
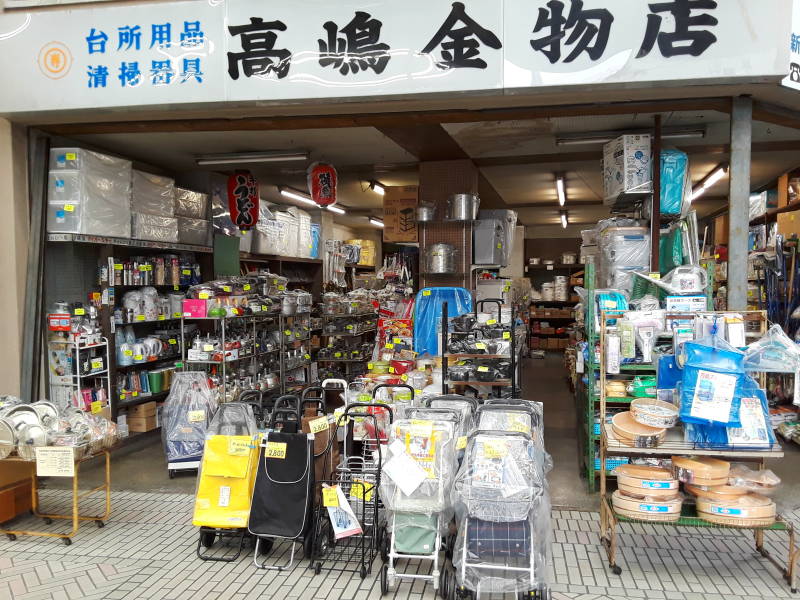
(674, 170)
(428, 313)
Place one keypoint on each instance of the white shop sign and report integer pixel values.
(249, 50)
(792, 80)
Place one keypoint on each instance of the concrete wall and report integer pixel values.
(14, 231)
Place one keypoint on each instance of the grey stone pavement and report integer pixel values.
(147, 550)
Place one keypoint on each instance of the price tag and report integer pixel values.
(186, 271)
(288, 332)
(655, 275)
(203, 295)
(69, 208)
(480, 346)
(196, 416)
(319, 424)
(264, 308)
(71, 156)
(96, 363)
(238, 446)
(134, 393)
(506, 335)
(176, 287)
(281, 288)
(337, 416)
(337, 355)
(307, 356)
(162, 317)
(426, 292)
(494, 449)
(172, 341)
(330, 497)
(499, 245)
(491, 322)
(391, 369)
(404, 377)
(97, 406)
(370, 366)
(348, 327)
(123, 396)
(275, 450)
(140, 317)
(79, 312)
(246, 287)
(118, 266)
(208, 347)
(461, 442)
(128, 352)
(145, 267)
(226, 288)
(483, 369)
(361, 490)
(517, 423)
(176, 315)
(390, 346)
(55, 461)
(398, 340)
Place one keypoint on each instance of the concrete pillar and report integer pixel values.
(14, 230)
(739, 199)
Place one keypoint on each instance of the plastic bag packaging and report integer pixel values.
(189, 204)
(710, 387)
(775, 352)
(193, 231)
(503, 515)
(187, 412)
(154, 228)
(463, 405)
(670, 251)
(674, 173)
(152, 194)
(622, 251)
(760, 482)
(428, 314)
(525, 416)
(316, 232)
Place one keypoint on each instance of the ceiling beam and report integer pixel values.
(775, 114)
(395, 119)
(425, 141)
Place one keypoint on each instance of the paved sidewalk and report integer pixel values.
(147, 550)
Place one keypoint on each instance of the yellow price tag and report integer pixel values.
(361, 490)
(390, 346)
(398, 340)
(122, 396)
(186, 271)
(307, 356)
(287, 332)
(483, 369)
(176, 315)
(118, 266)
(97, 406)
(337, 355)
(318, 424)
(494, 449)
(238, 446)
(208, 347)
(140, 317)
(176, 288)
(426, 292)
(71, 156)
(80, 312)
(246, 287)
(499, 245)
(172, 341)
(330, 497)
(97, 363)
(506, 335)
(196, 416)
(461, 442)
(138, 357)
(146, 268)
(491, 322)
(203, 295)
(337, 417)
(391, 369)
(162, 317)
(517, 423)
(275, 450)
(128, 352)
(69, 208)
(281, 288)
(370, 366)
(226, 288)
(655, 275)
(480, 346)
(404, 377)
(134, 393)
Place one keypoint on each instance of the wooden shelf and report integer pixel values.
(146, 244)
(772, 214)
(499, 382)
(268, 258)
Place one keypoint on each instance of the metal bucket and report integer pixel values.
(441, 258)
(463, 207)
(426, 213)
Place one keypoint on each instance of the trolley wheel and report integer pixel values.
(67, 541)
(171, 473)
(207, 538)
(384, 580)
(616, 570)
(99, 523)
(11, 537)
(449, 545)
(318, 568)
(363, 572)
(386, 542)
(265, 547)
(47, 520)
(443, 583)
(308, 543)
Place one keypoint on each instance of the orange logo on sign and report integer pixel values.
(55, 60)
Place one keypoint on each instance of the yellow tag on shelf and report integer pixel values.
(96, 363)
(404, 377)
(80, 312)
(176, 315)
(208, 347)
(146, 268)
(128, 352)
(275, 450)
(461, 442)
(138, 357)
(330, 497)
(186, 271)
(517, 423)
(71, 156)
(176, 287)
(390, 346)
(172, 341)
(499, 245)
(337, 355)
(281, 288)
(370, 366)
(655, 275)
(426, 292)
(226, 288)
(97, 406)
(122, 396)
(506, 335)
(118, 266)
(69, 208)
(398, 340)
(337, 417)
(287, 332)
(140, 317)
(307, 356)
(480, 346)
(391, 369)
(491, 322)
(494, 449)
(319, 424)
(203, 295)
(348, 326)
(195, 416)
(134, 393)
(162, 317)
(361, 490)
(238, 447)
(246, 287)
(483, 369)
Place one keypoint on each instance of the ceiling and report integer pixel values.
(519, 158)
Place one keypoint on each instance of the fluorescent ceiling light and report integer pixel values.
(295, 195)
(377, 187)
(562, 194)
(602, 137)
(708, 181)
(376, 222)
(336, 209)
(234, 158)
(564, 220)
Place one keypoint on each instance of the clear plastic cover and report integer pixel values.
(154, 228)
(428, 314)
(524, 416)
(502, 514)
(775, 352)
(187, 412)
(465, 408)
(289, 232)
(622, 251)
(152, 194)
(193, 205)
(233, 418)
(193, 231)
(761, 482)
(303, 232)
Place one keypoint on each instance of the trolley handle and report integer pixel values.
(500, 432)
(279, 413)
(392, 385)
(436, 411)
(288, 401)
(245, 397)
(318, 402)
(359, 405)
(499, 301)
(452, 398)
(314, 388)
(507, 407)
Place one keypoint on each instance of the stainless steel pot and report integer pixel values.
(426, 213)
(462, 207)
(440, 258)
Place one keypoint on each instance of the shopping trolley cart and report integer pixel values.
(419, 511)
(466, 408)
(503, 510)
(314, 420)
(187, 412)
(286, 414)
(225, 482)
(348, 525)
(282, 505)
(526, 416)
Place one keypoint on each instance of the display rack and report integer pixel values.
(674, 445)
(64, 386)
(349, 363)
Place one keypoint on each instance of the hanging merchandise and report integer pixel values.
(441, 259)
(773, 353)
(243, 200)
(462, 207)
(670, 250)
(322, 181)
(675, 181)
(428, 311)
(685, 280)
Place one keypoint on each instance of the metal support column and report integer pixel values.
(739, 198)
(655, 211)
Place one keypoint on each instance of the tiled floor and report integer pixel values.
(147, 550)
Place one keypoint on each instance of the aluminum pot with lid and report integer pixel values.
(440, 258)
(30, 437)
(462, 207)
(8, 438)
(426, 212)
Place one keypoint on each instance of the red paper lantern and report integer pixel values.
(243, 199)
(322, 183)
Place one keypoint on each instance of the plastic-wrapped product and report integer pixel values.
(712, 374)
(674, 175)
(154, 228)
(193, 231)
(622, 251)
(758, 205)
(428, 314)
(303, 232)
(464, 406)
(516, 414)
(187, 412)
(503, 515)
(152, 194)
(193, 205)
(775, 352)
(288, 243)
(761, 482)
(316, 232)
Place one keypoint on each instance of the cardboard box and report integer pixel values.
(13, 472)
(721, 230)
(15, 500)
(685, 303)
(626, 166)
(146, 409)
(141, 424)
(400, 214)
(789, 224)
(194, 308)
